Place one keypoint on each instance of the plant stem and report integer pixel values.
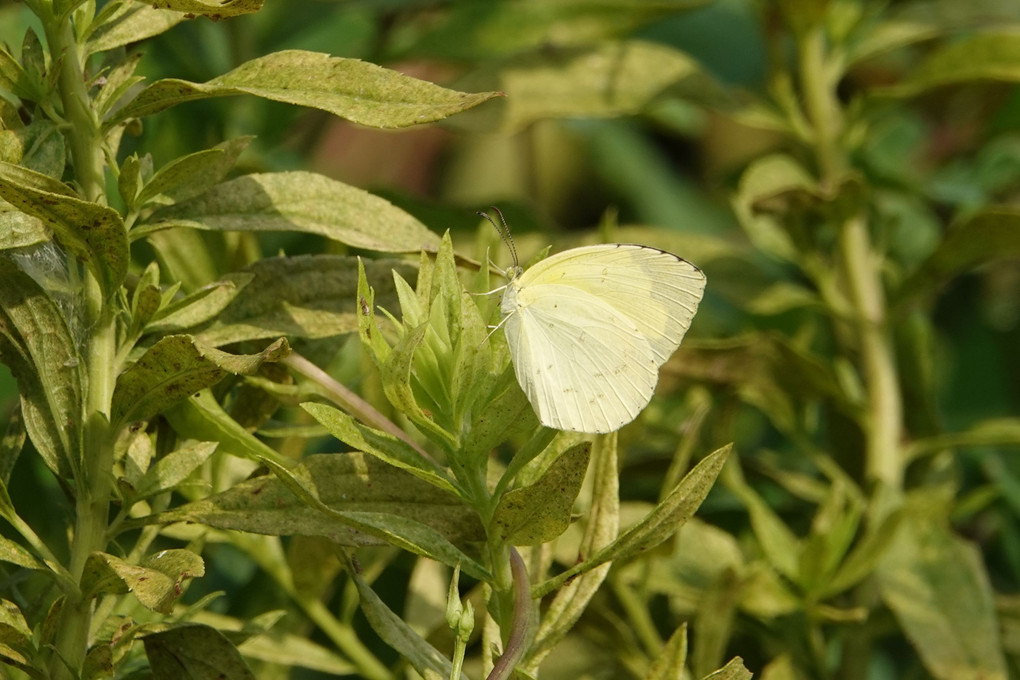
(883, 427)
(93, 487)
(819, 71)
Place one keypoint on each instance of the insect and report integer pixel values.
(588, 329)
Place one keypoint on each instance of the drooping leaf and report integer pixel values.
(302, 202)
(95, 233)
(37, 345)
(354, 484)
(425, 658)
(358, 91)
(214, 9)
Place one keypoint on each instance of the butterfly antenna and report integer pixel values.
(503, 229)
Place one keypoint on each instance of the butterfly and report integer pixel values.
(588, 329)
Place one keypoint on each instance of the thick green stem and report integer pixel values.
(885, 408)
(93, 487)
(820, 100)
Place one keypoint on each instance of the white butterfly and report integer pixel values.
(589, 328)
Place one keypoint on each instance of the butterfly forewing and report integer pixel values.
(658, 291)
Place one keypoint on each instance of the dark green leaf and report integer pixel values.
(194, 652)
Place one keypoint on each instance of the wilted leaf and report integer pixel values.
(356, 90)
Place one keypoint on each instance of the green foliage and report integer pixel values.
(263, 423)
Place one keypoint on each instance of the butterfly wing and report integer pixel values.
(655, 290)
(584, 366)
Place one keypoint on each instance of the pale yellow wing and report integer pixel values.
(658, 291)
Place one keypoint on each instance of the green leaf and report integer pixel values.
(734, 670)
(417, 651)
(202, 306)
(126, 21)
(214, 9)
(669, 663)
(194, 652)
(358, 91)
(979, 57)
(13, 553)
(175, 368)
(908, 23)
(991, 234)
(307, 296)
(36, 344)
(13, 627)
(991, 432)
(38, 146)
(173, 468)
(11, 443)
(95, 233)
(475, 31)
(194, 174)
(366, 502)
(607, 80)
(18, 230)
(661, 523)
(540, 512)
(937, 587)
(155, 582)
(385, 447)
(298, 202)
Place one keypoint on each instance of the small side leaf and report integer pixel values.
(540, 512)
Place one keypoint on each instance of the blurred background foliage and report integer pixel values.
(711, 150)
